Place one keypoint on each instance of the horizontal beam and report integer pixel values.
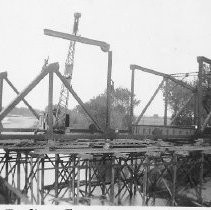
(103, 45)
(203, 59)
(136, 67)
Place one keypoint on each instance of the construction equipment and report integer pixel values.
(61, 115)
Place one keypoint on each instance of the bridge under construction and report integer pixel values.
(41, 166)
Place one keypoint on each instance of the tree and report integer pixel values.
(177, 97)
(120, 108)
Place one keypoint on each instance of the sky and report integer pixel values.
(160, 34)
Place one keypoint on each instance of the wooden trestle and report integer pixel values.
(78, 176)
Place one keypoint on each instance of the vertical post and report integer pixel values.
(18, 175)
(108, 107)
(78, 181)
(199, 92)
(166, 102)
(86, 178)
(1, 97)
(56, 176)
(196, 108)
(174, 179)
(131, 179)
(26, 172)
(31, 179)
(7, 165)
(38, 181)
(42, 179)
(112, 179)
(119, 180)
(73, 180)
(145, 181)
(201, 178)
(50, 107)
(132, 99)
(90, 178)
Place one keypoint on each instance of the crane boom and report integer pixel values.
(62, 105)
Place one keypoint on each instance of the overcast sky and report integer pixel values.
(163, 35)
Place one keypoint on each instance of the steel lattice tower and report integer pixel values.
(69, 63)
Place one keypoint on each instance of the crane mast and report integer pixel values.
(62, 105)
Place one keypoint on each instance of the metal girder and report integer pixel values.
(133, 67)
(20, 96)
(27, 104)
(77, 98)
(150, 101)
(103, 45)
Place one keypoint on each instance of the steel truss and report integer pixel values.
(110, 178)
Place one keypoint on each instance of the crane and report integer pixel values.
(61, 110)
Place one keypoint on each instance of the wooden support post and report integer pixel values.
(166, 103)
(201, 178)
(31, 180)
(18, 174)
(38, 181)
(119, 180)
(132, 100)
(112, 179)
(86, 178)
(109, 90)
(26, 173)
(50, 107)
(42, 179)
(131, 178)
(56, 177)
(174, 179)
(90, 178)
(78, 182)
(150, 101)
(6, 166)
(145, 181)
(73, 180)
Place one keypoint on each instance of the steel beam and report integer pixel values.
(148, 104)
(67, 85)
(27, 104)
(163, 75)
(103, 45)
(6, 110)
(50, 106)
(108, 101)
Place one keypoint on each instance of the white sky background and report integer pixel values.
(162, 35)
